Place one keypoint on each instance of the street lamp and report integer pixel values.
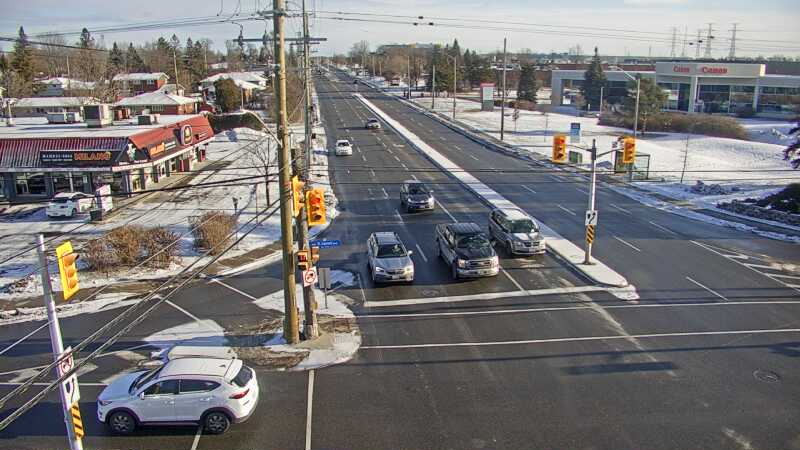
(455, 81)
(638, 81)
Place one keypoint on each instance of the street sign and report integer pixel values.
(324, 274)
(77, 422)
(69, 386)
(589, 234)
(309, 277)
(575, 133)
(591, 217)
(323, 243)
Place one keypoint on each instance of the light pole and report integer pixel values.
(455, 82)
(638, 80)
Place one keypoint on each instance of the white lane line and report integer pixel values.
(372, 172)
(421, 253)
(456, 147)
(473, 157)
(707, 288)
(405, 167)
(486, 296)
(445, 211)
(528, 189)
(780, 275)
(195, 318)
(309, 408)
(661, 227)
(389, 150)
(581, 190)
(760, 266)
(505, 272)
(414, 177)
(399, 217)
(627, 243)
(196, 436)
(395, 157)
(554, 177)
(565, 209)
(385, 194)
(619, 208)
(582, 339)
(234, 289)
(734, 259)
(573, 308)
(363, 157)
(443, 138)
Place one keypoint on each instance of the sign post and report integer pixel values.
(309, 276)
(325, 282)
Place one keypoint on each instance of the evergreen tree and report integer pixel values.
(528, 84)
(228, 96)
(134, 62)
(3, 64)
(594, 80)
(792, 152)
(86, 40)
(651, 100)
(22, 58)
(175, 43)
(116, 61)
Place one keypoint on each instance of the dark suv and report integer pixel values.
(466, 248)
(415, 196)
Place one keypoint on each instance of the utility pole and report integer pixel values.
(709, 37)
(175, 65)
(408, 72)
(503, 94)
(591, 227)
(455, 83)
(433, 89)
(601, 99)
(674, 41)
(732, 53)
(311, 330)
(697, 44)
(56, 343)
(291, 333)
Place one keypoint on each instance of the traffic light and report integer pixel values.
(628, 150)
(302, 260)
(297, 195)
(315, 204)
(67, 269)
(559, 148)
(314, 254)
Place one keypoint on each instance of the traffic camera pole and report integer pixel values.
(291, 330)
(503, 94)
(310, 330)
(55, 339)
(588, 256)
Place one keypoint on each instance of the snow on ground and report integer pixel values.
(103, 302)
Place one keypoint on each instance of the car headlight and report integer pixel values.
(461, 263)
(379, 269)
(495, 261)
(409, 269)
(104, 402)
(430, 201)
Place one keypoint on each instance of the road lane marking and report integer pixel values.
(414, 177)
(519, 286)
(196, 436)
(82, 383)
(707, 288)
(573, 308)
(661, 227)
(582, 339)
(309, 408)
(619, 208)
(395, 157)
(399, 217)
(170, 303)
(363, 157)
(565, 209)
(456, 147)
(446, 211)
(372, 172)
(421, 253)
(234, 289)
(25, 337)
(581, 190)
(443, 138)
(627, 243)
(555, 177)
(528, 189)
(385, 194)
(404, 166)
(485, 296)
(473, 157)
(780, 275)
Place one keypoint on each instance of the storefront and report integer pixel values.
(726, 88)
(38, 161)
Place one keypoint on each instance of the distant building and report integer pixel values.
(251, 77)
(41, 106)
(388, 48)
(60, 86)
(159, 103)
(130, 84)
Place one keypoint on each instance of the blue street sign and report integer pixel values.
(325, 243)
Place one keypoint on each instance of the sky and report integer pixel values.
(617, 27)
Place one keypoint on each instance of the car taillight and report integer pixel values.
(240, 394)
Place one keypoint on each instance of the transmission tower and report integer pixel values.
(732, 53)
(709, 37)
(674, 42)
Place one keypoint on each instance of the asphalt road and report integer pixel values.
(698, 361)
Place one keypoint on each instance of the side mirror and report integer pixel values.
(141, 395)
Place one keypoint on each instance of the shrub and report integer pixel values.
(159, 244)
(787, 200)
(130, 245)
(213, 230)
(745, 112)
(98, 255)
(126, 244)
(223, 122)
(717, 126)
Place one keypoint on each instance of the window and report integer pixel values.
(189, 386)
(243, 377)
(30, 183)
(391, 251)
(156, 108)
(166, 387)
(151, 82)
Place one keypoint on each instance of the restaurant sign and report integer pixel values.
(78, 157)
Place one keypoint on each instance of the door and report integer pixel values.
(194, 397)
(158, 404)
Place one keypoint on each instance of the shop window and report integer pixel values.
(2, 186)
(173, 165)
(156, 108)
(30, 184)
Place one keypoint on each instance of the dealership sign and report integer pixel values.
(710, 69)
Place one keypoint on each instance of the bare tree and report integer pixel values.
(263, 155)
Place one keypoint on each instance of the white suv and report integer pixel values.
(343, 148)
(68, 204)
(210, 391)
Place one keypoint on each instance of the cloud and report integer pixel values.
(653, 2)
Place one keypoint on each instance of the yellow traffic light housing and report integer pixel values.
(559, 148)
(67, 269)
(297, 195)
(315, 204)
(629, 150)
(302, 260)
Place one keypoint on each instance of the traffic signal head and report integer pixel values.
(67, 269)
(302, 260)
(297, 195)
(315, 204)
(559, 148)
(629, 150)
(314, 254)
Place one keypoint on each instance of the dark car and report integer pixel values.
(415, 196)
(466, 248)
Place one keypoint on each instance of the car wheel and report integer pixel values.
(455, 271)
(217, 422)
(121, 422)
(509, 249)
(74, 211)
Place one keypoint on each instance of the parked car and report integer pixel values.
(343, 148)
(372, 124)
(415, 196)
(467, 250)
(68, 204)
(213, 392)
(388, 259)
(516, 231)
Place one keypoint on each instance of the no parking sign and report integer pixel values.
(310, 277)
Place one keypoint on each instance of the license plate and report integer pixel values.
(395, 277)
(486, 272)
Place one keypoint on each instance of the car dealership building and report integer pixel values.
(694, 87)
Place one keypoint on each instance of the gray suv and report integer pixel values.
(415, 196)
(467, 250)
(516, 231)
(389, 260)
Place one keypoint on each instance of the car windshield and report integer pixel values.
(143, 379)
(372, 121)
(473, 241)
(522, 226)
(391, 251)
(343, 144)
(416, 189)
